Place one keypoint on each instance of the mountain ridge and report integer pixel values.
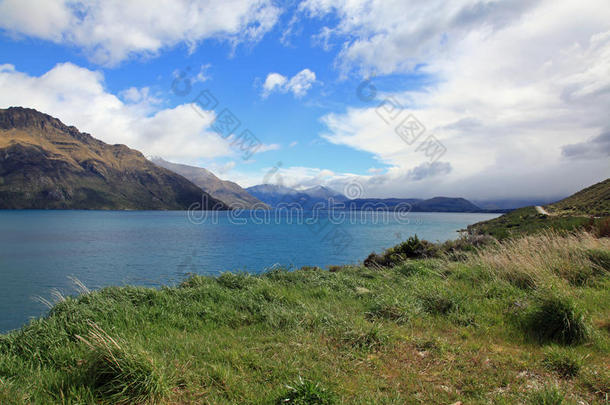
(274, 194)
(45, 164)
(229, 192)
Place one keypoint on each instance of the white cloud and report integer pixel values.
(395, 35)
(298, 85)
(516, 82)
(203, 75)
(110, 31)
(77, 96)
(273, 81)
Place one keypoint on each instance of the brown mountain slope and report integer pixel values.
(47, 165)
(230, 193)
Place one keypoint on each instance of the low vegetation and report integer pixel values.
(478, 322)
(587, 210)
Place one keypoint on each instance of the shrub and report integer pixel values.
(412, 248)
(564, 363)
(557, 319)
(305, 392)
(374, 260)
(119, 374)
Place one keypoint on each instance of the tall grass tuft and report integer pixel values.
(305, 392)
(563, 362)
(120, 374)
(556, 318)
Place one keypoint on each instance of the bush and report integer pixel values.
(305, 392)
(412, 248)
(564, 363)
(118, 374)
(557, 319)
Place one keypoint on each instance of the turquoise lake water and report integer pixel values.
(40, 250)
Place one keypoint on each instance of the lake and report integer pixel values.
(40, 250)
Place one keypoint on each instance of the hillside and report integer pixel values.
(445, 204)
(569, 214)
(591, 201)
(524, 322)
(226, 191)
(45, 164)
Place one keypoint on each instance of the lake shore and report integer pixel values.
(473, 325)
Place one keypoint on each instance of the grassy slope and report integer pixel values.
(568, 214)
(431, 331)
(594, 200)
(526, 221)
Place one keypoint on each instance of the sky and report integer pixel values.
(480, 99)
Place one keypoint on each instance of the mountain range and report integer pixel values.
(325, 197)
(274, 195)
(45, 164)
(227, 191)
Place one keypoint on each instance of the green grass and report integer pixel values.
(527, 221)
(588, 209)
(423, 331)
(593, 200)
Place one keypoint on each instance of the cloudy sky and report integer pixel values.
(480, 99)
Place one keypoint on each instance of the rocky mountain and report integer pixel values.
(227, 191)
(45, 164)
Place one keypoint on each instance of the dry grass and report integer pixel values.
(547, 259)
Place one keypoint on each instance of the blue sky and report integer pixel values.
(514, 93)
